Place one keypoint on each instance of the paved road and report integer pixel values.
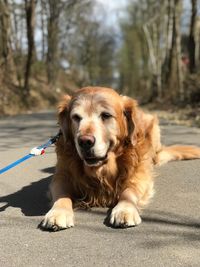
(169, 235)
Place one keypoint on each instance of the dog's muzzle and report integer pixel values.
(86, 144)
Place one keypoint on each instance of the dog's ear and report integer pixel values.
(129, 109)
(63, 115)
(139, 124)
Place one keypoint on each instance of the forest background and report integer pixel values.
(147, 49)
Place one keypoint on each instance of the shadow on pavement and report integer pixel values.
(156, 218)
(31, 199)
(170, 219)
(50, 170)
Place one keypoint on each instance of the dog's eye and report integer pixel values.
(76, 118)
(105, 116)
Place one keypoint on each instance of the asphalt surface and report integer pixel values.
(168, 236)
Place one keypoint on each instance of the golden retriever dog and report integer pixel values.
(105, 157)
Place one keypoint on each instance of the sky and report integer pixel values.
(115, 9)
(113, 4)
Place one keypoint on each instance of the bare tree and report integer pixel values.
(175, 77)
(155, 30)
(54, 10)
(30, 22)
(43, 26)
(192, 42)
(6, 57)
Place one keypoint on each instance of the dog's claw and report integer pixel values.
(57, 219)
(124, 215)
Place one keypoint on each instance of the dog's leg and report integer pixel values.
(125, 213)
(136, 194)
(61, 214)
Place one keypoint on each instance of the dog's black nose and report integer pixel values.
(86, 141)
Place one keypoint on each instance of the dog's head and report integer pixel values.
(97, 120)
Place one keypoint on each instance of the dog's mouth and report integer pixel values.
(95, 161)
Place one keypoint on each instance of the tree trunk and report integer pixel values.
(6, 57)
(152, 61)
(192, 44)
(197, 48)
(15, 27)
(175, 77)
(30, 22)
(43, 25)
(53, 30)
(168, 37)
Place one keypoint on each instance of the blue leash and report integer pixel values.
(36, 151)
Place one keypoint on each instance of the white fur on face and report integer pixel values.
(91, 123)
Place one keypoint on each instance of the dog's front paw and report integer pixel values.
(58, 219)
(124, 214)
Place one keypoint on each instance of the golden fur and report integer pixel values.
(124, 182)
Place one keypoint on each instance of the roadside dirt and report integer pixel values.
(188, 116)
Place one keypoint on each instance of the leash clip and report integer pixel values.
(37, 151)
